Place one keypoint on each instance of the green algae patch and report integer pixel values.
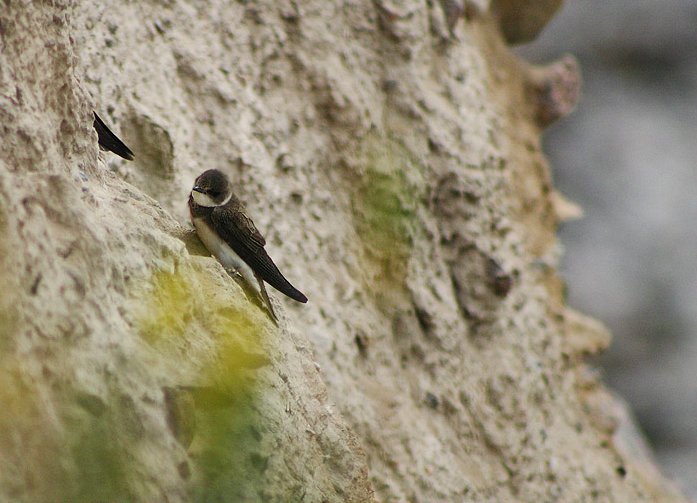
(385, 204)
(27, 438)
(99, 464)
(197, 319)
(227, 443)
(60, 450)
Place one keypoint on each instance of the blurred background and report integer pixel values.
(628, 155)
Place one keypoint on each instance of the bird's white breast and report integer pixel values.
(222, 251)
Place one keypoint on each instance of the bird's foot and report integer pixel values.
(258, 297)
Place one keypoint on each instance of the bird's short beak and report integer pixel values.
(198, 189)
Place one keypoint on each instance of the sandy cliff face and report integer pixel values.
(390, 154)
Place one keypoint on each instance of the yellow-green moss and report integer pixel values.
(190, 301)
(385, 205)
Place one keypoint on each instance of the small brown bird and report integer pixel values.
(109, 141)
(230, 235)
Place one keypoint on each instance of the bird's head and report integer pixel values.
(211, 189)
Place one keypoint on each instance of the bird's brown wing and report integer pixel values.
(240, 233)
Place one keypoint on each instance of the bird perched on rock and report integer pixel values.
(109, 141)
(229, 234)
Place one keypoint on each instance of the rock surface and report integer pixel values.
(628, 155)
(392, 159)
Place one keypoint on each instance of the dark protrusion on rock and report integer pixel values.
(499, 281)
(453, 10)
(362, 344)
(91, 403)
(522, 20)
(181, 418)
(554, 89)
(389, 85)
(431, 400)
(184, 470)
(472, 10)
(259, 462)
(425, 320)
(35, 284)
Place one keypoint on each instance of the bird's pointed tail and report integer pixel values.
(109, 141)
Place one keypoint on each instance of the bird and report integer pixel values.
(222, 224)
(109, 141)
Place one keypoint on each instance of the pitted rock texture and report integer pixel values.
(389, 151)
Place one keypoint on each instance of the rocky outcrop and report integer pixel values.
(390, 153)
